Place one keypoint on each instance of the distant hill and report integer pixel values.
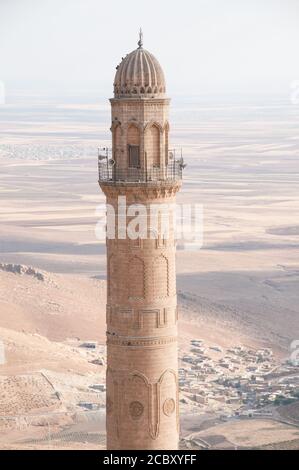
(52, 305)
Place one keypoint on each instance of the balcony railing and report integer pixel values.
(172, 172)
(109, 171)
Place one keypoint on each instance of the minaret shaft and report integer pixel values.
(142, 388)
(142, 352)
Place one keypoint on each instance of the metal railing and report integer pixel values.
(172, 172)
(110, 172)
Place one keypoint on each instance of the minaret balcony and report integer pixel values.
(109, 172)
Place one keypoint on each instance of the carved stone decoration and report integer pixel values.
(140, 342)
(137, 278)
(165, 377)
(160, 275)
(109, 405)
(136, 409)
(148, 318)
(168, 406)
(154, 412)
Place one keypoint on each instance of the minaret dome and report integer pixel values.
(139, 73)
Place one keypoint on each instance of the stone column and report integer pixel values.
(142, 356)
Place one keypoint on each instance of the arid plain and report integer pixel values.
(240, 289)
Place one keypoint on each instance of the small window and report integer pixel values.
(134, 161)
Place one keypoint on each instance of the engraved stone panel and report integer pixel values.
(149, 318)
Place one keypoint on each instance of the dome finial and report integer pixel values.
(140, 42)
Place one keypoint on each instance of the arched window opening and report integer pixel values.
(133, 141)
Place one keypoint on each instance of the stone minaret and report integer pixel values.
(142, 356)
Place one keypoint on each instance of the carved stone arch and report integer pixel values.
(152, 142)
(138, 390)
(160, 271)
(136, 399)
(133, 133)
(148, 396)
(136, 287)
(169, 395)
(133, 121)
(168, 371)
(137, 373)
(134, 138)
(149, 90)
(151, 123)
(142, 90)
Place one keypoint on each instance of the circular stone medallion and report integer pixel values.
(169, 406)
(136, 409)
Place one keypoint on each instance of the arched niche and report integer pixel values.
(160, 276)
(152, 145)
(133, 145)
(136, 278)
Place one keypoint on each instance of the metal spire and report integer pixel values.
(140, 42)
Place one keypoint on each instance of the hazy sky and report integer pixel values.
(203, 45)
